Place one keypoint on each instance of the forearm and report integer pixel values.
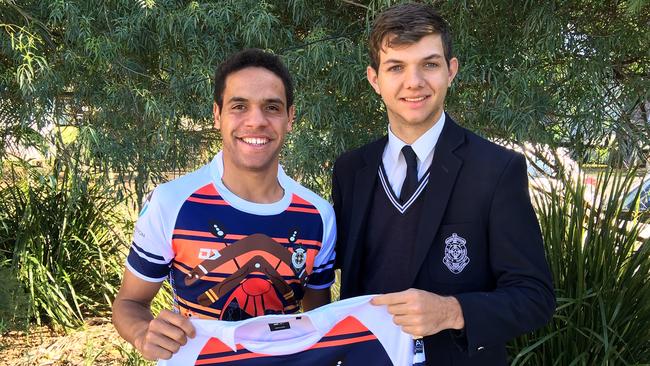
(131, 319)
(315, 298)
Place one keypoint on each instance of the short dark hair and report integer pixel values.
(407, 24)
(251, 57)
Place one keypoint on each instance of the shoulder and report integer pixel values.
(486, 152)
(323, 207)
(176, 191)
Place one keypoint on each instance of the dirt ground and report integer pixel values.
(97, 343)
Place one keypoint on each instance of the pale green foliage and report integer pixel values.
(601, 273)
(61, 235)
(137, 74)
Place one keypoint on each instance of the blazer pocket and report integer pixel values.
(457, 258)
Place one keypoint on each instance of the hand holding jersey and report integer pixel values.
(421, 313)
(164, 336)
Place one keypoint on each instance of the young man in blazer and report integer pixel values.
(434, 217)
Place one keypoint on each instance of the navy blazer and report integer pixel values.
(478, 191)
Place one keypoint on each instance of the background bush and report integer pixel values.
(61, 235)
(602, 277)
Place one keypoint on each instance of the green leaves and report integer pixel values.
(602, 278)
(62, 235)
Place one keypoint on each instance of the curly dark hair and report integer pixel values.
(252, 57)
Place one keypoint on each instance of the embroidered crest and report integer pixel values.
(298, 258)
(455, 253)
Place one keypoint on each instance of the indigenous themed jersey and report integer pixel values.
(230, 259)
(350, 332)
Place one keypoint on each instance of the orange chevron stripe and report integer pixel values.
(302, 209)
(347, 326)
(341, 342)
(198, 306)
(299, 200)
(208, 189)
(207, 234)
(207, 201)
(204, 234)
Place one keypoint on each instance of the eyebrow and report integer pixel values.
(433, 56)
(267, 100)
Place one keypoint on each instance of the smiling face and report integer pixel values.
(253, 120)
(412, 80)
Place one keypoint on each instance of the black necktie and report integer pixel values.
(411, 180)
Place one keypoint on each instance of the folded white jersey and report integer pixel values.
(350, 332)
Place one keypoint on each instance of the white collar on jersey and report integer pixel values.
(262, 209)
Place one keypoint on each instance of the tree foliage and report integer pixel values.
(134, 76)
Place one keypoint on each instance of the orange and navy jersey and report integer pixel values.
(230, 259)
(349, 332)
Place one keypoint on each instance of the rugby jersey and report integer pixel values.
(351, 332)
(230, 259)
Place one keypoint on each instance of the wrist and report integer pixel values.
(456, 319)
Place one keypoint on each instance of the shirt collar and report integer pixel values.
(422, 147)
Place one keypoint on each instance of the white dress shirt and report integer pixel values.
(424, 146)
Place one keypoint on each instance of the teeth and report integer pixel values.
(414, 99)
(255, 140)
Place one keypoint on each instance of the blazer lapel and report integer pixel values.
(444, 170)
(364, 183)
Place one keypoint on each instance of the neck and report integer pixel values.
(410, 133)
(253, 186)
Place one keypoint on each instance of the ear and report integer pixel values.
(292, 115)
(215, 114)
(453, 70)
(371, 74)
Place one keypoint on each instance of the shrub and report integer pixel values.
(602, 279)
(59, 230)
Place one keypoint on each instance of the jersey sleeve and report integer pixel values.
(322, 275)
(151, 252)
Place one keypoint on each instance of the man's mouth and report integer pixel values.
(416, 99)
(255, 141)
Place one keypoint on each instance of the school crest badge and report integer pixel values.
(455, 253)
(298, 258)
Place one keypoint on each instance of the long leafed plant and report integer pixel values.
(60, 234)
(601, 272)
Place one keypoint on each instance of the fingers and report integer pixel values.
(179, 321)
(165, 335)
(418, 313)
(393, 298)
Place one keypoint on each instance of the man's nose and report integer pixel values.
(256, 117)
(414, 78)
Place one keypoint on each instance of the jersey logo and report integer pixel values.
(298, 258)
(208, 253)
(455, 253)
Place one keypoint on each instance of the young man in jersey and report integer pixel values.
(434, 217)
(236, 238)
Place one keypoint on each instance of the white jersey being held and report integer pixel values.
(350, 332)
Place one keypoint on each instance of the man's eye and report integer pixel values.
(395, 68)
(273, 108)
(239, 107)
(431, 65)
